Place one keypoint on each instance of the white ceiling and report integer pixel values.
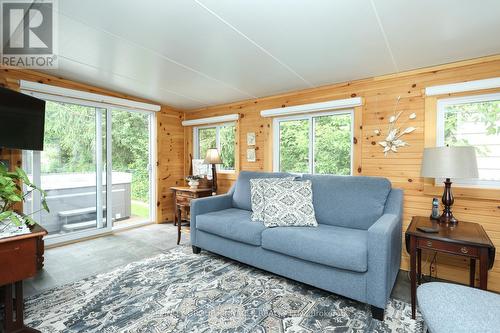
(194, 53)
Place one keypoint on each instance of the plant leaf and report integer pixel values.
(29, 220)
(383, 143)
(15, 220)
(44, 205)
(413, 115)
(5, 215)
(20, 172)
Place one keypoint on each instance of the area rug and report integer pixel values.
(181, 292)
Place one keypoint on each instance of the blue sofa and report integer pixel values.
(354, 252)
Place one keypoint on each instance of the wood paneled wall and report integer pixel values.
(170, 165)
(403, 168)
(170, 134)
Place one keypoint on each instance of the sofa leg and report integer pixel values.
(196, 249)
(377, 313)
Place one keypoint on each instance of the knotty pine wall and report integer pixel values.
(170, 138)
(403, 168)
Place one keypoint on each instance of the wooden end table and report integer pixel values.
(464, 239)
(182, 201)
(20, 258)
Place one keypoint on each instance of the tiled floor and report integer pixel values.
(77, 261)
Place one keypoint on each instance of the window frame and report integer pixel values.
(442, 103)
(196, 143)
(310, 117)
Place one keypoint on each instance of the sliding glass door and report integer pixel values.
(71, 169)
(132, 179)
(86, 194)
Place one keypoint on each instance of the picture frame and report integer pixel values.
(251, 138)
(199, 168)
(251, 155)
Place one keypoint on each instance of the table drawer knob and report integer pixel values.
(464, 250)
(429, 243)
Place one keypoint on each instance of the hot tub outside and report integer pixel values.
(72, 200)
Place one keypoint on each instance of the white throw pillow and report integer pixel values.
(289, 204)
(257, 195)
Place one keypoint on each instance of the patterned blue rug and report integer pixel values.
(182, 292)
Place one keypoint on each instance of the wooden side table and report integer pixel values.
(182, 201)
(464, 239)
(20, 258)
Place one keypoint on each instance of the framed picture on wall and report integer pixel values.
(251, 139)
(251, 155)
(199, 169)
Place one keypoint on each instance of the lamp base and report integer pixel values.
(445, 218)
(447, 199)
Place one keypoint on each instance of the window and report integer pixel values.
(473, 121)
(221, 137)
(320, 144)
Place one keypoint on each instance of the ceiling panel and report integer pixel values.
(193, 53)
(117, 56)
(186, 33)
(428, 32)
(325, 41)
(96, 77)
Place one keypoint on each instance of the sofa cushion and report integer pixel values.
(338, 247)
(257, 195)
(242, 195)
(347, 201)
(233, 224)
(288, 203)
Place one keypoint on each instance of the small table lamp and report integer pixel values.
(213, 158)
(449, 162)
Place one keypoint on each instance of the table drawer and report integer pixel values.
(186, 194)
(18, 260)
(463, 250)
(183, 200)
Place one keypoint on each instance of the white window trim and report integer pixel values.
(310, 117)
(196, 144)
(29, 87)
(441, 105)
(338, 104)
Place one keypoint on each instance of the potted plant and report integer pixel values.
(193, 181)
(11, 193)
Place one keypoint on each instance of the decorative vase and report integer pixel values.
(193, 183)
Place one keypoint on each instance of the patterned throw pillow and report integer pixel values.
(289, 204)
(257, 195)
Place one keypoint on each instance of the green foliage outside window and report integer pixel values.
(70, 143)
(485, 113)
(332, 145)
(207, 138)
(227, 142)
(294, 146)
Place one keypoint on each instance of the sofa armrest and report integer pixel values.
(384, 251)
(207, 205)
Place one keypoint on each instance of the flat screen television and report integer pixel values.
(22, 120)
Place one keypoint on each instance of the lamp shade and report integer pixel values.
(449, 162)
(212, 157)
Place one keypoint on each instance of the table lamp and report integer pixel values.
(213, 158)
(447, 163)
